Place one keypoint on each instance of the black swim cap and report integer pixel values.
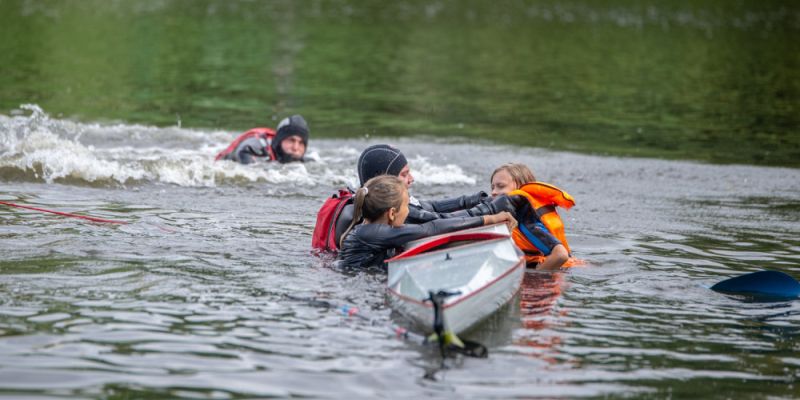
(294, 125)
(380, 159)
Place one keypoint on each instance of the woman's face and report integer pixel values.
(401, 214)
(502, 183)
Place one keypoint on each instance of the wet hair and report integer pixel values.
(520, 173)
(378, 195)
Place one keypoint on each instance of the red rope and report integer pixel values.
(65, 214)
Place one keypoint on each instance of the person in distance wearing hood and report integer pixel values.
(287, 143)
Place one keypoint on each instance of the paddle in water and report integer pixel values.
(761, 284)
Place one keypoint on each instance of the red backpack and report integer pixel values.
(324, 237)
(265, 133)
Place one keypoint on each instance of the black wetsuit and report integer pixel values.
(265, 144)
(420, 211)
(534, 230)
(251, 149)
(372, 244)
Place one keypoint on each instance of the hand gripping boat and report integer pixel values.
(474, 271)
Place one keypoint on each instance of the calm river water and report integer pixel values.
(116, 109)
(190, 298)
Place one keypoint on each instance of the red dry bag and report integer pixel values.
(324, 237)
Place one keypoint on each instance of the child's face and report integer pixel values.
(502, 183)
(401, 214)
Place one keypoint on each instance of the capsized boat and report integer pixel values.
(481, 267)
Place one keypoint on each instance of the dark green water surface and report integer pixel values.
(714, 81)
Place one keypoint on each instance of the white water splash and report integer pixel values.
(35, 147)
(427, 173)
(33, 144)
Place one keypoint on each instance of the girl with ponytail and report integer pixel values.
(378, 227)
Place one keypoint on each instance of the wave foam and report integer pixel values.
(35, 147)
(427, 173)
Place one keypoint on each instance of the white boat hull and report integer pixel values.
(486, 273)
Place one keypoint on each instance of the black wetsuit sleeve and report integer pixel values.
(534, 230)
(390, 237)
(453, 204)
(372, 244)
(344, 220)
(499, 204)
(247, 149)
(418, 215)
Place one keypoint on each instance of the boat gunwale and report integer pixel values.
(472, 242)
(478, 229)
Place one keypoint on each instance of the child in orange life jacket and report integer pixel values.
(532, 235)
(381, 207)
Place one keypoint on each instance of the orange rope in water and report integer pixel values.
(65, 214)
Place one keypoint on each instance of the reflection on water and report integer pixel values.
(539, 315)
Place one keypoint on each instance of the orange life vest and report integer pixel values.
(543, 198)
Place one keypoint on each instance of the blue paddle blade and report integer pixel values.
(761, 283)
